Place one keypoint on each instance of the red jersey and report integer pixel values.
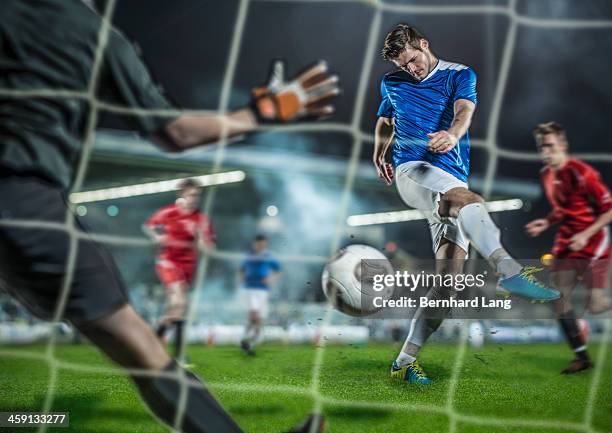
(182, 229)
(577, 195)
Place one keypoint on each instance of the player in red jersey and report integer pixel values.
(181, 230)
(582, 205)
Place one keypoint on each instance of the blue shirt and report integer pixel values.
(426, 106)
(256, 267)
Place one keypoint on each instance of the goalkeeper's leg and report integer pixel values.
(127, 339)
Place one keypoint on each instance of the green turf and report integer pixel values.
(499, 388)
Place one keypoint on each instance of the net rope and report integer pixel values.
(488, 143)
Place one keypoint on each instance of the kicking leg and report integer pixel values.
(127, 339)
(474, 219)
(472, 216)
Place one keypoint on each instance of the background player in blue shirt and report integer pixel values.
(424, 117)
(258, 270)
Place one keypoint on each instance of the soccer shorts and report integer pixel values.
(172, 273)
(420, 186)
(34, 258)
(257, 300)
(592, 263)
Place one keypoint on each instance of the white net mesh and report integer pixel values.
(489, 143)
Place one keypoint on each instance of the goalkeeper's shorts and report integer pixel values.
(34, 256)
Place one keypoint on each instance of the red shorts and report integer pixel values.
(592, 263)
(170, 273)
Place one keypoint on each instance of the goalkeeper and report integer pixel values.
(51, 45)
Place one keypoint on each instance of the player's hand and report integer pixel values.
(579, 241)
(307, 95)
(384, 170)
(536, 227)
(441, 141)
(161, 239)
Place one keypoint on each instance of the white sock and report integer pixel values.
(484, 235)
(256, 337)
(248, 332)
(403, 359)
(504, 265)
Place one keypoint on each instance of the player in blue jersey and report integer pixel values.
(424, 117)
(258, 270)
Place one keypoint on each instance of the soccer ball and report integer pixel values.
(348, 281)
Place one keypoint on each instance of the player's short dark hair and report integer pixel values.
(260, 237)
(542, 129)
(398, 38)
(189, 183)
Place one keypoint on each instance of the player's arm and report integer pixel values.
(444, 141)
(273, 277)
(189, 130)
(538, 226)
(206, 237)
(151, 228)
(275, 273)
(383, 138)
(279, 101)
(464, 104)
(208, 246)
(599, 193)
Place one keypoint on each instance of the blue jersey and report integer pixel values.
(426, 106)
(256, 267)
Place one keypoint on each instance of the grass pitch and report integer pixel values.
(510, 389)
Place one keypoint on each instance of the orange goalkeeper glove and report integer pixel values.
(308, 95)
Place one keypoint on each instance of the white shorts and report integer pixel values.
(420, 185)
(257, 300)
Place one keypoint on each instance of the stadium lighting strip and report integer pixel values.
(415, 215)
(489, 144)
(154, 187)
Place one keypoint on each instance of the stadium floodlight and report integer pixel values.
(414, 215)
(154, 187)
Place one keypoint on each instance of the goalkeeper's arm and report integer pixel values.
(306, 96)
(191, 130)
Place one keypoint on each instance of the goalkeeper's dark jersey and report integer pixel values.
(50, 45)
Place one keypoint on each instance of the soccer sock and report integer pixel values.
(403, 359)
(248, 331)
(178, 340)
(202, 412)
(569, 326)
(425, 322)
(484, 235)
(256, 335)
